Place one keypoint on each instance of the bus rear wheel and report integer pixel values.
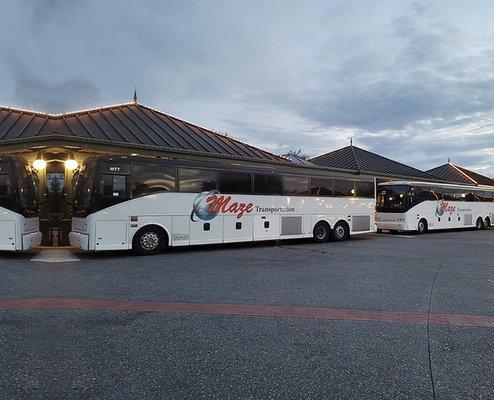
(422, 226)
(340, 231)
(487, 222)
(321, 232)
(148, 241)
(479, 224)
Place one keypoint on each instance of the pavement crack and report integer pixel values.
(431, 372)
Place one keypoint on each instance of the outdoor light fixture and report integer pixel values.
(71, 164)
(39, 164)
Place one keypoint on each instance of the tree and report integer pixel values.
(298, 153)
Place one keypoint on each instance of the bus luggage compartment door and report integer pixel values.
(266, 227)
(7, 235)
(111, 235)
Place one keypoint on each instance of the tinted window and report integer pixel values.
(364, 189)
(344, 188)
(470, 195)
(321, 187)
(448, 194)
(423, 193)
(267, 184)
(296, 185)
(152, 178)
(6, 185)
(112, 186)
(235, 182)
(196, 180)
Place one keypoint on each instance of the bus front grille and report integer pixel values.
(360, 223)
(291, 225)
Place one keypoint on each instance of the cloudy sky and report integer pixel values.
(413, 81)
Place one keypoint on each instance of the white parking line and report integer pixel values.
(55, 256)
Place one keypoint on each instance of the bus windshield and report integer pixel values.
(17, 192)
(392, 198)
(27, 192)
(83, 189)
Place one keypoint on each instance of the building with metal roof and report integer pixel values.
(128, 125)
(457, 174)
(358, 160)
(127, 129)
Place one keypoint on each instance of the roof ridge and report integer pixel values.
(356, 159)
(463, 173)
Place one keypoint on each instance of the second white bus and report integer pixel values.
(423, 206)
(147, 204)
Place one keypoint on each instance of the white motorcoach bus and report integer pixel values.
(147, 204)
(423, 206)
(19, 223)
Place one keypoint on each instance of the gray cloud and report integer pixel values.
(410, 80)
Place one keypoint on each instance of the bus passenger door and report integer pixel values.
(111, 235)
(266, 227)
(7, 235)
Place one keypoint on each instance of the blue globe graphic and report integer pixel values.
(200, 207)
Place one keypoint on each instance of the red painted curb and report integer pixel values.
(337, 314)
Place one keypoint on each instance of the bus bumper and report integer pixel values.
(79, 240)
(392, 226)
(31, 240)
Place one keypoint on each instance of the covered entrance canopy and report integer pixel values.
(56, 144)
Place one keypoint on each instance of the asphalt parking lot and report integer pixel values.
(378, 317)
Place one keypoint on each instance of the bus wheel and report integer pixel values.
(321, 232)
(422, 226)
(487, 222)
(479, 224)
(340, 231)
(148, 241)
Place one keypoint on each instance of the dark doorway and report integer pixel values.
(55, 210)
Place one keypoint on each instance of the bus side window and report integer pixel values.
(471, 197)
(296, 185)
(321, 187)
(267, 184)
(196, 180)
(344, 188)
(152, 178)
(423, 193)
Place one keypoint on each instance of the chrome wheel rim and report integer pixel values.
(320, 232)
(479, 224)
(150, 240)
(421, 227)
(339, 232)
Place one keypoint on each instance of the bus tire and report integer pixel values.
(487, 222)
(340, 231)
(321, 232)
(479, 224)
(149, 240)
(422, 226)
